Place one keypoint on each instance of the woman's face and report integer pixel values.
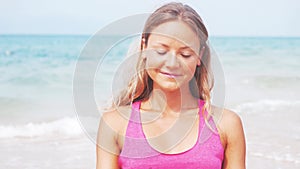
(172, 54)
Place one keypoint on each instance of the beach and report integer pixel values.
(39, 126)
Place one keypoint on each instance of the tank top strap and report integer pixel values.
(134, 123)
(135, 145)
(201, 118)
(208, 126)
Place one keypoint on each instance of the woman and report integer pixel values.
(165, 119)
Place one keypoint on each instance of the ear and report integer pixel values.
(200, 56)
(198, 62)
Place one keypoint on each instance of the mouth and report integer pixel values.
(171, 75)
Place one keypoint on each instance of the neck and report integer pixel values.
(170, 102)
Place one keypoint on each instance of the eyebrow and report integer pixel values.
(181, 48)
(161, 44)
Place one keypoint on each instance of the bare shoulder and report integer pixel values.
(108, 149)
(116, 118)
(230, 119)
(225, 118)
(233, 139)
(112, 126)
(229, 124)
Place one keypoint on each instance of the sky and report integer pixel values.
(222, 17)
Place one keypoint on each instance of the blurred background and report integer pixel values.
(257, 43)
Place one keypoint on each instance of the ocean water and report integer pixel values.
(39, 127)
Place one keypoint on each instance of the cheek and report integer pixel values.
(190, 67)
(192, 64)
(153, 63)
(151, 66)
(191, 72)
(193, 68)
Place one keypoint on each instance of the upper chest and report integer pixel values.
(167, 135)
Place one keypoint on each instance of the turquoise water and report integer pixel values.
(42, 67)
(262, 77)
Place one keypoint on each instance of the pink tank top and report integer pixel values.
(137, 153)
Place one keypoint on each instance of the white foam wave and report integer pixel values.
(63, 127)
(266, 104)
(285, 157)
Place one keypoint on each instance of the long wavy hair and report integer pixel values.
(141, 85)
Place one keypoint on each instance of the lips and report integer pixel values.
(171, 75)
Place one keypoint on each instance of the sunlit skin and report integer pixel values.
(172, 54)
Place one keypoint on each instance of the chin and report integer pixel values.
(167, 86)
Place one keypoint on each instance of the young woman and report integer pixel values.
(165, 118)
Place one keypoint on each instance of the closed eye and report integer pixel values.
(161, 52)
(186, 55)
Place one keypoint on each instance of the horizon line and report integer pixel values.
(212, 36)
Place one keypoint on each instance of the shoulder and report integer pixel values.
(235, 144)
(229, 124)
(108, 148)
(230, 119)
(232, 134)
(116, 118)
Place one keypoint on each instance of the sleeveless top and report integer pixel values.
(137, 153)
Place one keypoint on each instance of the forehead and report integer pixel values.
(175, 32)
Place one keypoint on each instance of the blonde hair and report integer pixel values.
(141, 85)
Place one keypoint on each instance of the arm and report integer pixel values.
(107, 149)
(235, 150)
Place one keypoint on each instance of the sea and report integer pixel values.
(40, 126)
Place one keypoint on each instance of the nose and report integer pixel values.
(172, 60)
